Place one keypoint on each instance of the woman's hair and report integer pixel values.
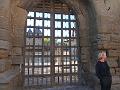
(101, 54)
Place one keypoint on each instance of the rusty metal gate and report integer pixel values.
(51, 48)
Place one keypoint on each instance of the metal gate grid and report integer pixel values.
(51, 49)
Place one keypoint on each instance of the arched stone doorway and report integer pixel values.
(88, 30)
(52, 52)
(12, 24)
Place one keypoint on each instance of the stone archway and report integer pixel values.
(12, 22)
(88, 30)
(85, 13)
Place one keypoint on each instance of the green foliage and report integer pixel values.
(46, 41)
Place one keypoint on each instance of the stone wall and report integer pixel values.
(99, 30)
(81, 13)
(5, 44)
(98, 22)
(18, 17)
(10, 45)
(108, 37)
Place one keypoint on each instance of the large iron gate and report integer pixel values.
(51, 49)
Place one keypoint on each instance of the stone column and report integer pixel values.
(18, 25)
(10, 77)
(5, 44)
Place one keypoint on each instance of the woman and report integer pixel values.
(103, 72)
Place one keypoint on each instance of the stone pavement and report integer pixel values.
(63, 88)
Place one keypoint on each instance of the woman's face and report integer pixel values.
(104, 56)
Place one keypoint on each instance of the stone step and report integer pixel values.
(9, 79)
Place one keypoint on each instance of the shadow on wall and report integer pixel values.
(91, 78)
(90, 14)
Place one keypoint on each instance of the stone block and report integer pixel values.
(117, 71)
(86, 67)
(18, 42)
(112, 70)
(5, 65)
(85, 54)
(114, 52)
(85, 50)
(5, 34)
(113, 61)
(10, 80)
(108, 45)
(115, 79)
(17, 51)
(115, 87)
(85, 59)
(112, 45)
(5, 44)
(5, 87)
(115, 38)
(4, 5)
(100, 46)
(4, 53)
(84, 43)
(103, 37)
(2, 66)
(19, 32)
(17, 60)
(4, 22)
(118, 62)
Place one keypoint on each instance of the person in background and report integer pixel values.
(103, 71)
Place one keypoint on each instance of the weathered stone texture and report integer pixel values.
(113, 62)
(103, 36)
(5, 45)
(4, 23)
(5, 64)
(84, 39)
(116, 79)
(109, 36)
(114, 52)
(17, 60)
(4, 34)
(112, 70)
(115, 87)
(117, 71)
(85, 55)
(10, 80)
(4, 54)
(17, 51)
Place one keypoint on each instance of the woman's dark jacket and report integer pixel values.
(102, 70)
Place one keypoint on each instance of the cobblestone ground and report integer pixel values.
(62, 88)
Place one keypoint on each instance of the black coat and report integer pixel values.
(102, 70)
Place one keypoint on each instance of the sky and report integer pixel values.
(58, 17)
